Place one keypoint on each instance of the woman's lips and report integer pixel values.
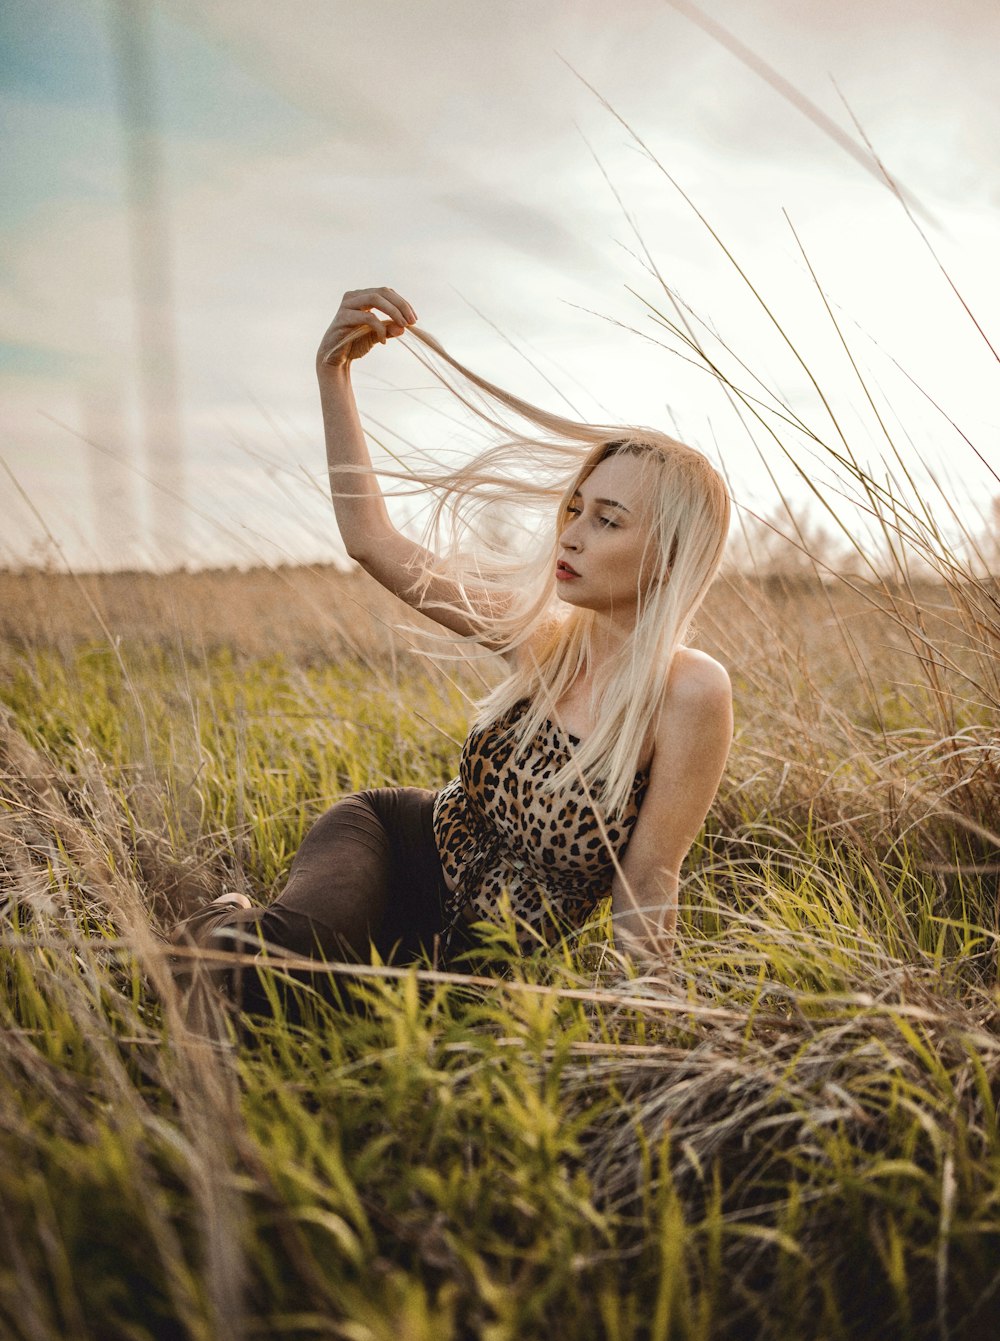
(564, 573)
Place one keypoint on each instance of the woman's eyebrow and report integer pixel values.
(606, 502)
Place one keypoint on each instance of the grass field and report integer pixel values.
(793, 1135)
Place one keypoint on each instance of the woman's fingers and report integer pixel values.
(404, 308)
(362, 317)
(358, 325)
(387, 301)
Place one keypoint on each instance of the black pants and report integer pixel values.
(367, 873)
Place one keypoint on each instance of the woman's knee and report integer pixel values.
(337, 886)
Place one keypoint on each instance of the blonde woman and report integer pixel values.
(591, 767)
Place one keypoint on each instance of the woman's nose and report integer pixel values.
(567, 536)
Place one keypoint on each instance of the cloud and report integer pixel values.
(435, 148)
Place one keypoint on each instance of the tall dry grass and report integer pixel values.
(794, 1134)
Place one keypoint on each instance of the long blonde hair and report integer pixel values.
(509, 596)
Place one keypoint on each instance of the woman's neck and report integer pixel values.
(607, 638)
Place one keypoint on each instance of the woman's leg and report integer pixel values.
(335, 899)
(367, 873)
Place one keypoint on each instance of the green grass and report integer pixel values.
(793, 1135)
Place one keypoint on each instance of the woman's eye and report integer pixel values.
(574, 511)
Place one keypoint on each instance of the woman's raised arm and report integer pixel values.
(367, 317)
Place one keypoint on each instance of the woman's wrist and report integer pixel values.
(333, 373)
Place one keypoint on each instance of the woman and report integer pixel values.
(592, 766)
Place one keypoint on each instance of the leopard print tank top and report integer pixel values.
(495, 833)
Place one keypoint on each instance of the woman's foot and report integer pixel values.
(240, 900)
(202, 1001)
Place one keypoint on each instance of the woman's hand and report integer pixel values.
(356, 327)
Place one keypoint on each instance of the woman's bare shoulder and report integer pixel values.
(696, 674)
(698, 693)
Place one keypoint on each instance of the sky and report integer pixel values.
(190, 186)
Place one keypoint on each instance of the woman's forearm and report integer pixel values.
(361, 513)
(645, 918)
(366, 317)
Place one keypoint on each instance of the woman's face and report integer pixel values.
(605, 556)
